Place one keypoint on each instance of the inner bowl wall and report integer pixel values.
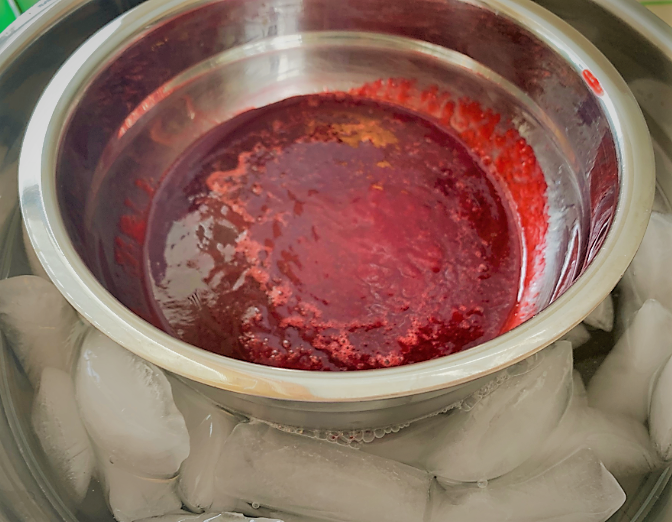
(182, 110)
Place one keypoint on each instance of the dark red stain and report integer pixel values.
(346, 231)
(145, 186)
(593, 82)
(133, 227)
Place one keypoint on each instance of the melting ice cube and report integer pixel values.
(209, 517)
(208, 427)
(649, 276)
(506, 427)
(621, 443)
(132, 498)
(313, 478)
(622, 383)
(578, 336)
(128, 409)
(603, 316)
(39, 324)
(660, 420)
(61, 434)
(409, 444)
(577, 489)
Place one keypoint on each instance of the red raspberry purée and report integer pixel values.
(333, 232)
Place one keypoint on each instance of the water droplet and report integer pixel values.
(286, 344)
(482, 484)
(255, 505)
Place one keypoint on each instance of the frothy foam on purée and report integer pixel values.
(346, 232)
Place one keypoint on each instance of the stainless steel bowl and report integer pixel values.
(591, 141)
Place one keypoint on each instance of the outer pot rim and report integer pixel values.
(63, 264)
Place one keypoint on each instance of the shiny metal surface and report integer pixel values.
(638, 43)
(263, 72)
(31, 50)
(545, 61)
(640, 46)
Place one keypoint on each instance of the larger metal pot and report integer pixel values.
(637, 42)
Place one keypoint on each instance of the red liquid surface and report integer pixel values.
(332, 232)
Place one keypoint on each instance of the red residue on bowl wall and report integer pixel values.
(593, 82)
(502, 150)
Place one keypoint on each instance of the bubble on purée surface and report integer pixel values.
(578, 336)
(660, 417)
(507, 426)
(132, 497)
(621, 443)
(127, 407)
(208, 427)
(318, 479)
(622, 383)
(649, 276)
(209, 517)
(577, 489)
(39, 324)
(33, 261)
(56, 422)
(603, 316)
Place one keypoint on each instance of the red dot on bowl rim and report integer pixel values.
(593, 82)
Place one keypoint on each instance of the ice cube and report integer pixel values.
(603, 316)
(208, 427)
(314, 478)
(649, 276)
(127, 407)
(660, 203)
(277, 515)
(209, 517)
(222, 503)
(132, 497)
(578, 489)
(660, 419)
(409, 445)
(33, 261)
(56, 422)
(622, 383)
(579, 392)
(578, 336)
(622, 444)
(506, 427)
(258, 512)
(38, 323)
